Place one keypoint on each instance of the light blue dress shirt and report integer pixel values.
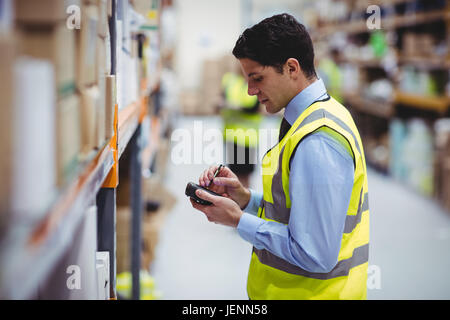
(320, 186)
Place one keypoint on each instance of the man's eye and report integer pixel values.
(258, 79)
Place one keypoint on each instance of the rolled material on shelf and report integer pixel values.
(34, 174)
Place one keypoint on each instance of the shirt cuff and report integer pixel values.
(248, 226)
(253, 205)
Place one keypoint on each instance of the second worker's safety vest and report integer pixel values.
(240, 126)
(271, 277)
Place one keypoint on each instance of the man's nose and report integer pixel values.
(252, 91)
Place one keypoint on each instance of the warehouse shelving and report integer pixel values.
(437, 104)
(129, 119)
(387, 23)
(31, 249)
(401, 69)
(384, 109)
(361, 5)
(430, 62)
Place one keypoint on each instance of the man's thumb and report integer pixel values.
(206, 196)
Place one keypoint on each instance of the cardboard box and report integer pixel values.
(109, 8)
(229, 63)
(67, 138)
(86, 48)
(42, 11)
(100, 59)
(152, 222)
(7, 57)
(88, 119)
(101, 113)
(110, 106)
(142, 6)
(108, 54)
(211, 92)
(103, 28)
(409, 44)
(103, 281)
(55, 43)
(162, 157)
(190, 101)
(101, 82)
(123, 247)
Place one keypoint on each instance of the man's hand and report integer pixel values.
(223, 210)
(226, 184)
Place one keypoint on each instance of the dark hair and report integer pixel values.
(276, 39)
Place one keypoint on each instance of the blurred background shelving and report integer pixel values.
(401, 63)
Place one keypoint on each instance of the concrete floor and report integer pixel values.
(409, 253)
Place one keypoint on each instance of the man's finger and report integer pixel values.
(199, 206)
(207, 196)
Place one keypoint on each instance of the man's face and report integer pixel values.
(272, 88)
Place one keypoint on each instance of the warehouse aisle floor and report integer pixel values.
(409, 255)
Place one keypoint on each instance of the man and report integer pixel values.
(241, 121)
(310, 227)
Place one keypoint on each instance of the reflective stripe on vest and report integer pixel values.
(271, 277)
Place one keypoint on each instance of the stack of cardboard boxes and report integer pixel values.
(73, 35)
(206, 100)
(129, 46)
(43, 34)
(418, 45)
(57, 97)
(152, 222)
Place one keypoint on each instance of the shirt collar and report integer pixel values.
(303, 100)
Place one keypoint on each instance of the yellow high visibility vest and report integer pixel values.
(239, 126)
(271, 277)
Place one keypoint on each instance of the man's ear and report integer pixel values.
(293, 67)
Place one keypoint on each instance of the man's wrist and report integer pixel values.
(246, 199)
(238, 218)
